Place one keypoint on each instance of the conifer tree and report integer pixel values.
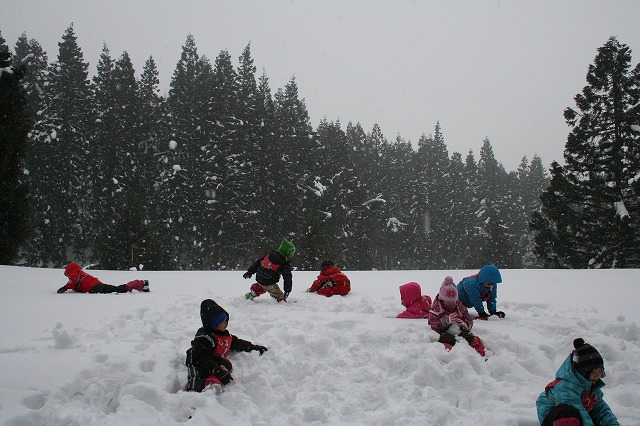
(62, 194)
(30, 54)
(589, 215)
(14, 127)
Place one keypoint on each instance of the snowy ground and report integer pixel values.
(79, 359)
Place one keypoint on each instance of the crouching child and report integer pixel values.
(450, 318)
(207, 361)
(575, 397)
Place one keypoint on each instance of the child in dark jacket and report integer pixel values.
(268, 270)
(207, 361)
(575, 397)
(417, 305)
(82, 282)
(331, 281)
(449, 317)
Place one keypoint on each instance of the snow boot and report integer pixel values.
(447, 346)
(214, 383)
(566, 422)
(135, 285)
(249, 296)
(477, 344)
(145, 286)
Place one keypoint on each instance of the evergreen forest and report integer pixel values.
(104, 171)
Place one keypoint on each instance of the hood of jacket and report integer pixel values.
(410, 293)
(489, 274)
(72, 269)
(209, 309)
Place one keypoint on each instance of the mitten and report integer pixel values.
(62, 289)
(286, 294)
(247, 275)
(499, 314)
(483, 315)
(454, 318)
(259, 348)
(222, 374)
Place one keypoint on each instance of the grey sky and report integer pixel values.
(505, 70)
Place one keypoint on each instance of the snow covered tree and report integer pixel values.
(590, 215)
(62, 194)
(30, 54)
(14, 127)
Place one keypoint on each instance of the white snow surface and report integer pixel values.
(118, 359)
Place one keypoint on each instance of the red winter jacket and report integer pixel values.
(417, 305)
(331, 281)
(79, 280)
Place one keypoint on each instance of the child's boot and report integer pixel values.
(213, 382)
(135, 285)
(477, 344)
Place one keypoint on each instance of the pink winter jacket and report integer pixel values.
(417, 305)
(440, 318)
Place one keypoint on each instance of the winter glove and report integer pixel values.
(259, 348)
(222, 374)
(483, 315)
(247, 275)
(499, 314)
(286, 294)
(454, 318)
(62, 289)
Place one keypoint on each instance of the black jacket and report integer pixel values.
(269, 276)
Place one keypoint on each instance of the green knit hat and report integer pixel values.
(287, 248)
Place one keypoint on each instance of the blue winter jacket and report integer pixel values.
(570, 391)
(472, 292)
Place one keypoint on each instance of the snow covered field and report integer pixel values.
(117, 359)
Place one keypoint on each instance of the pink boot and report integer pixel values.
(567, 421)
(214, 382)
(447, 346)
(135, 285)
(477, 344)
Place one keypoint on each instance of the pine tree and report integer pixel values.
(62, 194)
(14, 127)
(589, 215)
(30, 54)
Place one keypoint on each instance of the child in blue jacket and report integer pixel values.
(576, 393)
(479, 288)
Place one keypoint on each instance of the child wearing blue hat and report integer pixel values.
(207, 361)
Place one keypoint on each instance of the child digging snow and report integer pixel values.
(417, 305)
(268, 270)
(331, 281)
(575, 397)
(207, 361)
(82, 282)
(449, 317)
(479, 288)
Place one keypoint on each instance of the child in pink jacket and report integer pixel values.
(417, 305)
(449, 317)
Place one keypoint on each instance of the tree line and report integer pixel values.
(223, 167)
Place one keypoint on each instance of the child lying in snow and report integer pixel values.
(207, 361)
(82, 282)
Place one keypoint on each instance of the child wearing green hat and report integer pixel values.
(268, 270)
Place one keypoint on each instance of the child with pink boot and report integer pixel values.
(82, 282)
(449, 317)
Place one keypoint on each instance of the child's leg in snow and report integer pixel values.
(108, 288)
(274, 291)
(562, 411)
(447, 338)
(257, 290)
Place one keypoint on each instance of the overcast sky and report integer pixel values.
(502, 69)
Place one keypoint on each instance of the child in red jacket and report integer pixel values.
(450, 318)
(417, 305)
(82, 282)
(207, 361)
(331, 281)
